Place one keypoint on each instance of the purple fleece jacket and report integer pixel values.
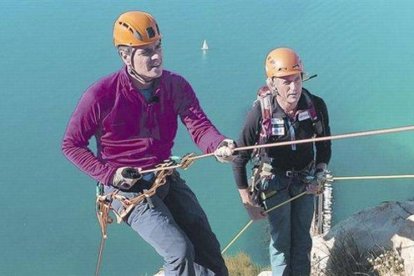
(130, 131)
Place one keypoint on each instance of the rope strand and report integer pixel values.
(287, 143)
(373, 177)
(100, 253)
(251, 221)
(332, 137)
(299, 195)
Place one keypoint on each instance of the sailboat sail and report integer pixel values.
(205, 46)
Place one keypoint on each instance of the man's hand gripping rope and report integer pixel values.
(315, 184)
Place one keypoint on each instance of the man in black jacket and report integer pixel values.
(285, 111)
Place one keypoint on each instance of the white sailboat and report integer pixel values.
(205, 46)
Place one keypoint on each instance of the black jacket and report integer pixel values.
(293, 157)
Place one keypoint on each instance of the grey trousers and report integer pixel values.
(291, 241)
(177, 228)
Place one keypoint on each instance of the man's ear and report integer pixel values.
(270, 83)
(124, 53)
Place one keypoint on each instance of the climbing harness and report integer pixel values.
(161, 172)
(259, 184)
(272, 125)
(308, 180)
(104, 202)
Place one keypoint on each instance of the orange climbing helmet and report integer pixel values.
(282, 62)
(135, 28)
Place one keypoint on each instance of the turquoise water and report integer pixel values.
(51, 51)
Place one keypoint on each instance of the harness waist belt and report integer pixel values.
(293, 172)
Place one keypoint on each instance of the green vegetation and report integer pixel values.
(346, 258)
(242, 265)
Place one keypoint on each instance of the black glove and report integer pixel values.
(323, 176)
(126, 177)
(320, 178)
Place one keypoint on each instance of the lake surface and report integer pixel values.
(51, 51)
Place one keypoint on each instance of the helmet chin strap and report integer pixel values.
(133, 73)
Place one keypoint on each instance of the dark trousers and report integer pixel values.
(177, 228)
(291, 241)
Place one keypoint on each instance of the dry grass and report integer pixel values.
(346, 258)
(241, 265)
(388, 263)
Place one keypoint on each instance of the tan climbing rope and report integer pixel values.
(193, 157)
(161, 171)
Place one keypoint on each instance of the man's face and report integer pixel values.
(289, 88)
(147, 60)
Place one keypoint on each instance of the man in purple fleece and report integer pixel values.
(133, 115)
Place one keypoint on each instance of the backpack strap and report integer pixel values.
(265, 97)
(316, 121)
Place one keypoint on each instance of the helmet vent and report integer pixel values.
(296, 66)
(150, 32)
(134, 32)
